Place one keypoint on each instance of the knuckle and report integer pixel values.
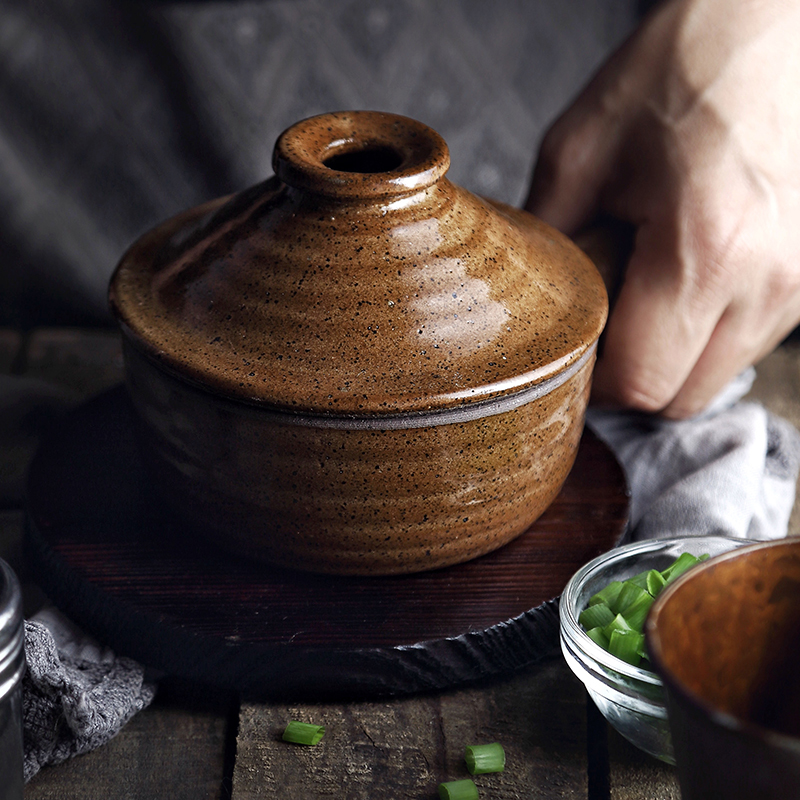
(644, 393)
(562, 155)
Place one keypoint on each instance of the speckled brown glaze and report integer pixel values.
(357, 366)
(725, 639)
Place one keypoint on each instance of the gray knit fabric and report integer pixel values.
(76, 696)
(730, 471)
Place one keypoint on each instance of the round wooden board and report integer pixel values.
(117, 562)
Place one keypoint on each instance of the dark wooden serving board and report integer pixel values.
(115, 560)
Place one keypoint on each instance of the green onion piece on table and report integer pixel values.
(458, 790)
(485, 758)
(303, 733)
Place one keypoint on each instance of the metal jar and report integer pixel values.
(12, 668)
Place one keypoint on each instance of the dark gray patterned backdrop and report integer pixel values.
(115, 115)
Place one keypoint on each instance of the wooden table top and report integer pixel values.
(197, 742)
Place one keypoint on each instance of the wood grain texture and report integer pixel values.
(404, 748)
(634, 775)
(114, 559)
(174, 749)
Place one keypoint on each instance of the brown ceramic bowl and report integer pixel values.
(356, 366)
(725, 640)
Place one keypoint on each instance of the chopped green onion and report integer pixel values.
(626, 645)
(630, 594)
(608, 595)
(640, 580)
(614, 617)
(619, 623)
(683, 562)
(596, 616)
(303, 733)
(484, 758)
(598, 637)
(458, 790)
(636, 612)
(655, 582)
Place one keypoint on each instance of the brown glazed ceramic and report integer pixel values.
(726, 641)
(356, 366)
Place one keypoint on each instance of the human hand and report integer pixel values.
(691, 132)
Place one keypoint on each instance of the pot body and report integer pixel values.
(301, 492)
(357, 366)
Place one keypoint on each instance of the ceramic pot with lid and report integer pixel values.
(356, 366)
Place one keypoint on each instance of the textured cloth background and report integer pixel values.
(117, 114)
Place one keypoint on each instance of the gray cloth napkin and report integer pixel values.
(76, 694)
(731, 470)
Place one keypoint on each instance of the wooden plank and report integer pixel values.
(404, 748)
(174, 749)
(635, 775)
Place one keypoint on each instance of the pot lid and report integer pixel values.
(359, 280)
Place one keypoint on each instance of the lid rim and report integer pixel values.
(495, 398)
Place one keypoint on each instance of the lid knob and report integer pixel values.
(360, 154)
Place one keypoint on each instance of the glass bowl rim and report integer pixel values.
(573, 632)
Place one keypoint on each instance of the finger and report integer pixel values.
(580, 152)
(660, 326)
(576, 161)
(736, 343)
(567, 180)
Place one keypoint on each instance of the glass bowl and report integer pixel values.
(630, 698)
